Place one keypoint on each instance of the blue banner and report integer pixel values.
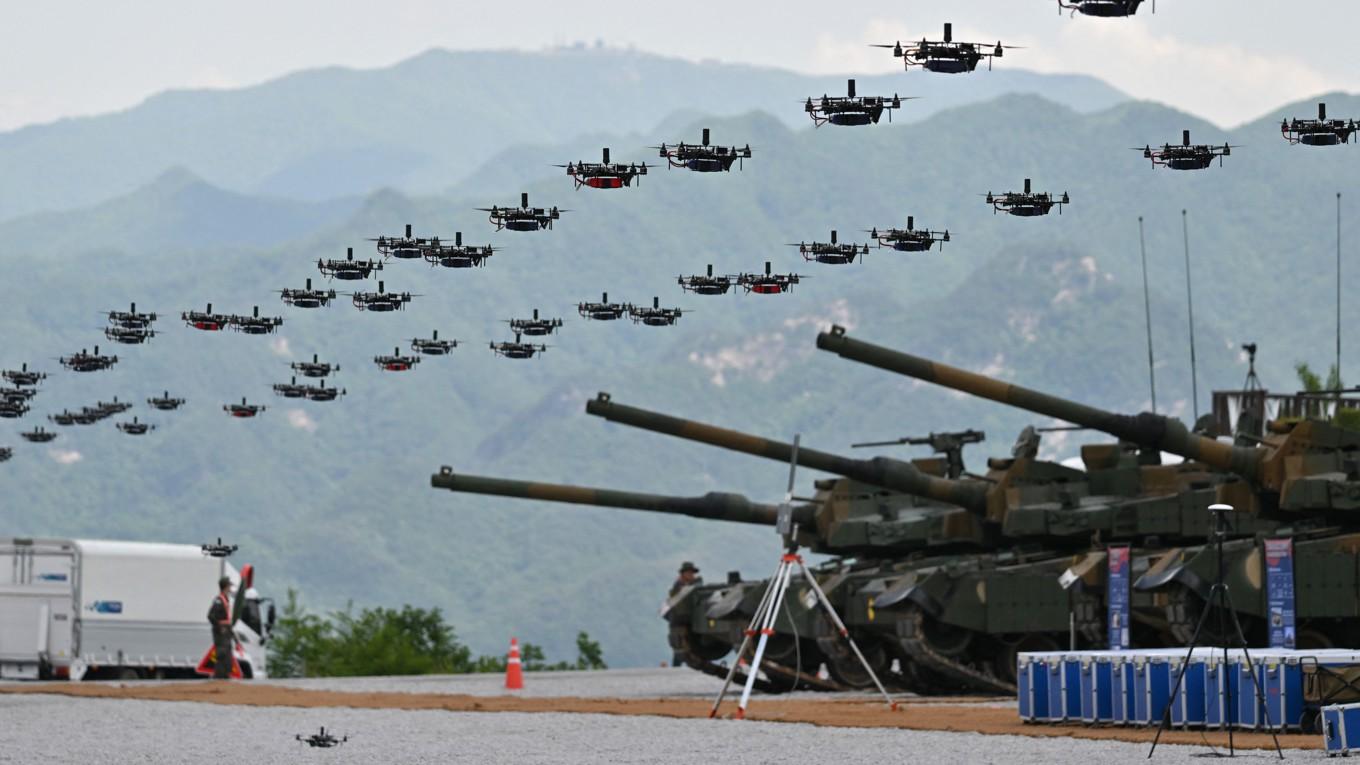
(1118, 600)
(1280, 591)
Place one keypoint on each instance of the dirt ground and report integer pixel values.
(913, 714)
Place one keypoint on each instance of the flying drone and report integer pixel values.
(315, 367)
(768, 283)
(206, 320)
(129, 336)
(22, 377)
(322, 740)
(218, 549)
(703, 157)
(1103, 8)
(946, 56)
(88, 362)
(604, 174)
(1186, 156)
(851, 110)
(5, 453)
(396, 362)
(909, 239)
(17, 394)
(404, 247)
(243, 409)
(1027, 203)
(380, 301)
(603, 310)
(290, 389)
(321, 393)
(522, 218)
(706, 283)
(535, 327)
(656, 316)
(113, 407)
(832, 252)
(255, 324)
(349, 269)
(458, 255)
(131, 318)
(135, 428)
(11, 409)
(1318, 132)
(67, 418)
(38, 435)
(307, 297)
(165, 403)
(517, 349)
(433, 346)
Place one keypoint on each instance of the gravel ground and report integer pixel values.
(42, 728)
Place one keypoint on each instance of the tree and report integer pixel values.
(298, 640)
(589, 655)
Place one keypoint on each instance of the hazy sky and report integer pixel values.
(1227, 60)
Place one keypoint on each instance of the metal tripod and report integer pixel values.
(762, 623)
(1219, 595)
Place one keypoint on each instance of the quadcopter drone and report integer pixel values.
(112, 407)
(129, 336)
(522, 218)
(349, 269)
(909, 239)
(130, 319)
(851, 110)
(380, 301)
(832, 252)
(946, 56)
(517, 349)
(1103, 8)
(320, 393)
(5, 453)
(67, 418)
(604, 174)
(458, 255)
(22, 377)
(405, 247)
(1318, 132)
(706, 283)
(1186, 156)
(165, 403)
(307, 297)
(206, 320)
(703, 157)
(290, 389)
(88, 362)
(396, 362)
(243, 409)
(1027, 203)
(768, 283)
(603, 310)
(433, 346)
(322, 740)
(255, 324)
(17, 394)
(656, 316)
(534, 327)
(135, 428)
(218, 549)
(315, 367)
(11, 409)
(38, 435)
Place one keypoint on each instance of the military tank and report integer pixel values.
(1301, 481)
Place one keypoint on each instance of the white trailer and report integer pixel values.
(88, 609)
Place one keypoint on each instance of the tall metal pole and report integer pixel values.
(1147, 314)
(1190, 303)
(1338, 291)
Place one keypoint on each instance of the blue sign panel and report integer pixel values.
(1280, 591)
(1118, 600)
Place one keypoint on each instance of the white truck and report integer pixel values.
(89, 609)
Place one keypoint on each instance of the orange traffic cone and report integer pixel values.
(514, 672)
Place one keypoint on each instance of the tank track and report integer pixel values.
(911, 638)
(795, 680)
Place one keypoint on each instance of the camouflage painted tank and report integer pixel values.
(1301, 481)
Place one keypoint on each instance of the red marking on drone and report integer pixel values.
(604, 183)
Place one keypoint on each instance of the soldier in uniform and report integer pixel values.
(689, 574)
(219, 616)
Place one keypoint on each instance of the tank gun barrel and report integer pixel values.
(716, 506)
(1146, 429)
(892, 474)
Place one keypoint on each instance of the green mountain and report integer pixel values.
(334, 498)
(424, 123)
